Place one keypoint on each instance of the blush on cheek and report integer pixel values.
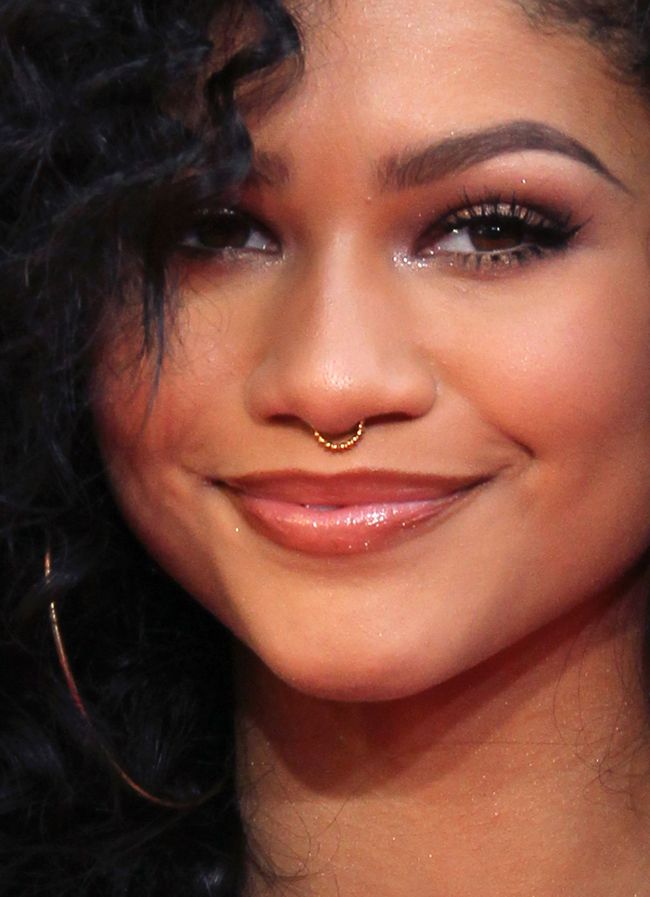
(561, 374)
(139, 414)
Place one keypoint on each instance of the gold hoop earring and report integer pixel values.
(79, 704)
(344, 444)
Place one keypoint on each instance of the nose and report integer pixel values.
(342, 348)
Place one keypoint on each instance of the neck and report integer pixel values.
(525, 775)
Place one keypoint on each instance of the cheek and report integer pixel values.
(568, 379)
(142, 418)
(161, 441)
(569, 374)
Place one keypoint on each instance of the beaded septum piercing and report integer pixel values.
(344, 444)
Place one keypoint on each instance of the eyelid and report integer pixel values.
(543, 222)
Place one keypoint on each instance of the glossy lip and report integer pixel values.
(347, 513)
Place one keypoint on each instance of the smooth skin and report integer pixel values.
(458, 712)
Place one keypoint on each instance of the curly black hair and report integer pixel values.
(621, 28)
(118, 120)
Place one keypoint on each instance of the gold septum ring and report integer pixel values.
(344, 444)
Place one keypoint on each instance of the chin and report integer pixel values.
(361, 688)
(362, 676)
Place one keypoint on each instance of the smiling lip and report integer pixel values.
(349, 513)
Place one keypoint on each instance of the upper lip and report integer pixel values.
(359, 487)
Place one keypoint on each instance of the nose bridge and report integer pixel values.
(337, 354)
(337, 343)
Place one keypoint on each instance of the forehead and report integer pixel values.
(396, 73)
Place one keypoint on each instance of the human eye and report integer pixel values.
(494, 234)
(227, 231)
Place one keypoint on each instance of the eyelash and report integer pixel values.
(541, 233)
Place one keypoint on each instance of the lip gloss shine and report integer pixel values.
(349, 514)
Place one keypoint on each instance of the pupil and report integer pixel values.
(495, 234)
(223, 231)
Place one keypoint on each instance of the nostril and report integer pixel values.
(329, 396)
(290, 421)
(394, 418)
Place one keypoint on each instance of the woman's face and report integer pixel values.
(447, 236)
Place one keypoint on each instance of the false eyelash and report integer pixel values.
(496, 207)
(551, 230)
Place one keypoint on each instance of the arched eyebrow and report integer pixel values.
(414, 167)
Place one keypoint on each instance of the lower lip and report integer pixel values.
(351, 529)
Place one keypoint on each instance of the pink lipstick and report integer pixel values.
(348, 513)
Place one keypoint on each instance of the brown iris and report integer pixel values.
(494, 234)
(223, 229)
